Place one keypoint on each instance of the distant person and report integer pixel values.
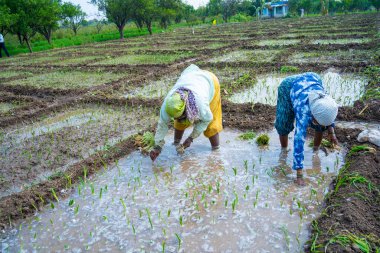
(214, 22)
(2, 46)
(302, 98)
(194, 100)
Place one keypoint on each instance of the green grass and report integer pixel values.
(67, 80)
(65, 38)
(247, 55)
(135, 59)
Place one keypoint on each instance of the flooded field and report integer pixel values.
(344, 88)
(72, 177)
(187, 203)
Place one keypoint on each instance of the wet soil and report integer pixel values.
(352, 209)
(23, 204)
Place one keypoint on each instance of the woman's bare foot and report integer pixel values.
(300, 181)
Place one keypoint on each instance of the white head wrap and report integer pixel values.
(323, 107)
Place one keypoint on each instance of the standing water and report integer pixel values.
(240, 198)
(344, 88)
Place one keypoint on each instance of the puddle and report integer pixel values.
(50, 125)
(188, 203)
(351, 55)
(278, 42)
(135, 59)
(344, 88)
(154, 89)
(247, 55)
(342, 41)
(68, 80)
(5, 107)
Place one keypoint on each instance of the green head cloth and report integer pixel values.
(175, 106)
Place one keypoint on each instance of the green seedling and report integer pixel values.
(247, 136)
(71, 202)
(235, 171)
(289, 69)
(262, 140)
(76, 210)
(163, 246)
(54, 195)
(285, 231)
(149, 218)
(352, 179)
(180, 220)
(124, 205)
(179, 241)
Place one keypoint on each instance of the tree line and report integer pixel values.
(26, 18)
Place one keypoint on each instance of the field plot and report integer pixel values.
(74, 178)
(171, 205)
(41, 150)
(344, 88)
(67, 80)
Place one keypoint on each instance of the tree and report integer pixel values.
(73, 16)
(144, 12)
(229, 8)
(47, 17)
(214, 7)
(324, 7)
(24, 15)
(167, 10)
(116, 11)
(100, 24)
(376, 4)
(5, 19)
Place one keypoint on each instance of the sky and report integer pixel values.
(92, 10)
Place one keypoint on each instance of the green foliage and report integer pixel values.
(240, 17)
(373, 87)
(353, 179)
(247, 136)
(148, 139)
(359, 148)
(325, 143)
(360, 243)
(289, 69)
(262, 140)
(73, 16)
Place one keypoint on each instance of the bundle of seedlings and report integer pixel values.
(145, 142)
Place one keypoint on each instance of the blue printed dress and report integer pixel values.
(293, 104)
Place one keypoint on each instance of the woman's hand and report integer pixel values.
(187, 142)
(332, 137)
(155, 153)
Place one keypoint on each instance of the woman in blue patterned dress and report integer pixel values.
(302, 98)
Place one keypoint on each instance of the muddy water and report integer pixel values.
(344, 88)
(67, 119)
(236, 199)
(153, 89)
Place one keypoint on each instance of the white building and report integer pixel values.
(276, 9)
